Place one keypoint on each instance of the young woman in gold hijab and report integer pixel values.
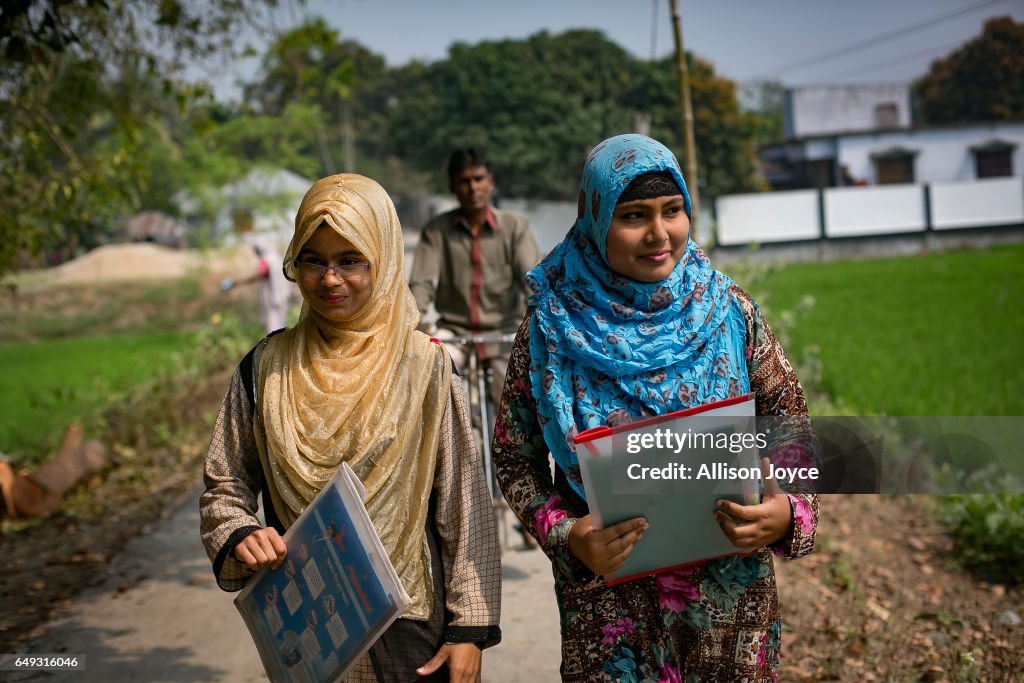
(354, 382)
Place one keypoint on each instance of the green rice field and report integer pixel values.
(46, 384)
(937, 334)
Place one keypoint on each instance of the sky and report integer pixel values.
(799, 42)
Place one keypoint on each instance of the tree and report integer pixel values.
(981, 81)
(312, 65)
(73, 112)
(538, 105)
(766, 100)
(215, 147)
(724, 134)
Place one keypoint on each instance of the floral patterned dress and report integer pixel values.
(717, 620)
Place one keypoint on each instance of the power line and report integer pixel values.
(930, 52)
(889, 35)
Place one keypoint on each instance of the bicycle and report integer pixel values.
(477, 378)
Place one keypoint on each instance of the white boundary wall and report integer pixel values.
(995, 201)
(867, 211)
(768, 217)
(857, 211)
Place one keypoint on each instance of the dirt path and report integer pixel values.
(159, 616)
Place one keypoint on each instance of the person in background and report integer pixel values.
(845, 175)
(273, 287)
(627, 320)
(470, 263)
(354, 381)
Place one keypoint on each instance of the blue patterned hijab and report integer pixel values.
(605, 349)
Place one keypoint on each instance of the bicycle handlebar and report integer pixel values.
(466, 339)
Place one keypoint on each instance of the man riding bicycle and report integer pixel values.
(470, 263)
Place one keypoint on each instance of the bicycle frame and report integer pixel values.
(476, 374)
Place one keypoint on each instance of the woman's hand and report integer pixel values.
(605, 550)
(754, 526)
(262, 548)
(463, 662)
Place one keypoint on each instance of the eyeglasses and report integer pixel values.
(345, 271)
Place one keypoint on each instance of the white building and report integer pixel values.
(810, 112)
(862, 135)
(263, 202)
(925, 155)
(857, 176)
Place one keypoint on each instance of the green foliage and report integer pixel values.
(839, 574)
(225, 339)
(981, 81)
(97, 124)
(912, 336)
(198, 157)
(252, 140)
(765, 99)
(538, 105)
(988, 533)
(724, 135)
(50, 383)
(117, 309)
(313, 66)
(83, 81)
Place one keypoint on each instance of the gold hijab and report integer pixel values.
(369, 390)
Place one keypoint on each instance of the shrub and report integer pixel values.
(988, 533)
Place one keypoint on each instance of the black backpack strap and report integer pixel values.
(247, 371)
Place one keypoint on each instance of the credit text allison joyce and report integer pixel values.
(719, 471)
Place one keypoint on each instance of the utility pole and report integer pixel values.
(350, 147)
(684, 98)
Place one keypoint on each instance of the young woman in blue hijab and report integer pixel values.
(629, 320)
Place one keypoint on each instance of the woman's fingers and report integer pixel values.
(604, 550)
(740, 535)
(261, 548)
(620, 530)
(272, 545)
(737, 511)
(278, 544)
(242, 554)
(250, 552)
(611, 546)
(269, 553)
(752, 526)
(625, 544)
(619, 559)
(435, 662)
(463, 662)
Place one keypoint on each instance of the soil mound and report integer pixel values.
(143, 261)
(126, 262)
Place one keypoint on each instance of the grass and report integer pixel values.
(74, 352)
(939, 334)
(48, 383)
(116, 309)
